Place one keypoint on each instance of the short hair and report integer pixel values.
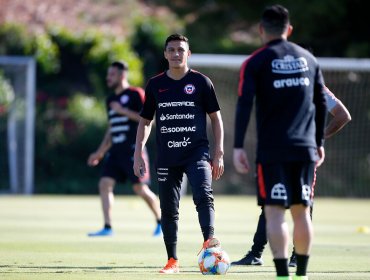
(176, 37)
(120, 65)
(275, 19)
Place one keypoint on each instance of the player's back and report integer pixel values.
(286, 77)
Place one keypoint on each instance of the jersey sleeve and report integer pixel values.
(246, 93)
(137, 99)
(149, 106)
(210, 98)
(319, 100)
(331, 100)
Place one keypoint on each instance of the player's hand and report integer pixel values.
(94, 159)
(321, 153)
(240, 160)
(217, 165)
(139, 166)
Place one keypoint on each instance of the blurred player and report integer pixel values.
(181, 99)
(290, 114)
(340, 117)
(123, 107)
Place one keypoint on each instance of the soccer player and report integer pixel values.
(340, 117)
(181, 98)
(290, 113)
(118, 145)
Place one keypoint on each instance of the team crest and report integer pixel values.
(124, 99)
(189, 89)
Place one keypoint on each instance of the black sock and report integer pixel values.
(208, 232)
(281, 266)
(107, 226)
(302, 262)
(171, 250)
(159, 221)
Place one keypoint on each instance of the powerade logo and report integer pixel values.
(169, 117)
(289, 65)
(176, 104)
(179, 144)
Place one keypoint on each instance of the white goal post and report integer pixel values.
(21, 73)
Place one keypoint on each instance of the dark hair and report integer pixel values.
(176, 37)
(275, 19)
(120, 65)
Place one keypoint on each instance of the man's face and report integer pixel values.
(114, 77)
(177, 53)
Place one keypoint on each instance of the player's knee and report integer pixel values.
(140, 189)
(106, 185)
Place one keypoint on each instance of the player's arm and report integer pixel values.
(142, 135)
(319, 100)
(242, 115)
(218, 153)
(131, 114)
(104, 146)
(341, 117)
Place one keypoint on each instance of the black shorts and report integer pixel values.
(286, 183)
(120, 168)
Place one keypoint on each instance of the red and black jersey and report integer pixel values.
(180, 108)
(122, 129)
(287, 84)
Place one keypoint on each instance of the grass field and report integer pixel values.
(44, 237)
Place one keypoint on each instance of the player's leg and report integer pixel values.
(169, 182)
(141, 188)
(274, 194)
(150, 198)
(302, 201)
(200, 178)
(254, 256)
(293, 258)
(106, 186)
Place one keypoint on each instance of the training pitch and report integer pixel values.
(45, 237)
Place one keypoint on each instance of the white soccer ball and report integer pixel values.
(214, 261)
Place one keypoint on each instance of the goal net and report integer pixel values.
(346, 171)
(17, 117)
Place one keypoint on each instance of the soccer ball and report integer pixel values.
(213, 261)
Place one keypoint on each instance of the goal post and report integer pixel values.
(346, 171)
(20, 73)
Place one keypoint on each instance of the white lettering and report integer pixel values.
(292, 82)
(177, 129)
(289, 65)
(169, 117)
(176, 104)
(179, 144)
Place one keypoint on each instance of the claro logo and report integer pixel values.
(179, 144)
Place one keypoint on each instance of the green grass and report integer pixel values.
(44, 237)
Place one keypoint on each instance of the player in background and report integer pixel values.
(118, 145)
(340, 117)
(181, 98)
(290, 113)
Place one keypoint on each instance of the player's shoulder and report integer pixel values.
(255, 57)
(157, 77)
(137, 92)
(195, 74)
